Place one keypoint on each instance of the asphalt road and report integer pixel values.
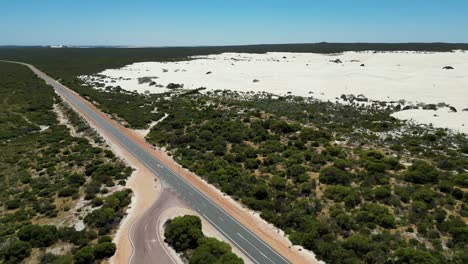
(252, 246)
(147, 243)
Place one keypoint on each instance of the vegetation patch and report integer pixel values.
(50, 180)
(184, 234)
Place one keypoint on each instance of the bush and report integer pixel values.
(71, 235)
(38, 236)
(16, 251)
(84, 255)
(333, 175)
(422, 172)
(104, 250)
(359, 244)
(337, 192)
(461, 179)
(212, 250)
(68, 191)
(100, 217)
(13, 204)
(230, 258)
(372, 213)
(410, 255)
(183, 232)
(104, 239)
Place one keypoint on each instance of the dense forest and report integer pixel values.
(349, 182)
(184, 234)
(50, 180)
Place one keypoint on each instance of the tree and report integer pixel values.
(337, 192)
(461, 179)
(38, 236)
(13, 204)
(202, 256)
(333, 175)
(260, 192)
(422, 172)
(104, 250)
(16, 251)
(375, 214)
(413, 256)
(214, 246)
(100, 217)
(212, 250)
(183, 232)
(71, 235)
(360, 244)
(76, 180)
(84, 255)
(230, 258)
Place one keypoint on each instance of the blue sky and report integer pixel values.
(224, 22)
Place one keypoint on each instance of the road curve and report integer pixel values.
(250, 244)
(147, 243)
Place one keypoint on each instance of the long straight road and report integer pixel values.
(249, 243)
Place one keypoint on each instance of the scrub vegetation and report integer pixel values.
(184, 234)
(50, 180)
(349, 182)
(352, 184)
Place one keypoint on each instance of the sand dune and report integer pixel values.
(410, 76)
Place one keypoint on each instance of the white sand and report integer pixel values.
(440, 118)
(414, 77)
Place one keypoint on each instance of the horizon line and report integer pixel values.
(228, 45)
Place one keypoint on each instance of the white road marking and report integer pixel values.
(227, 236)
(255, 247)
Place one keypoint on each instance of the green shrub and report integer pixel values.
(16, 251)
(183, 232)
(38, 236)
(421, 172)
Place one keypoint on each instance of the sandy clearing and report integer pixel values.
(392, 76)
